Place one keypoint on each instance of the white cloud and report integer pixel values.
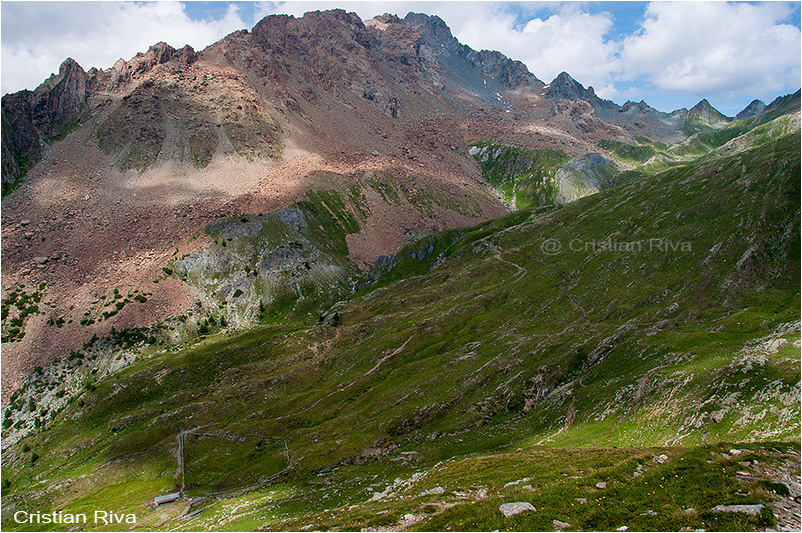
(715, 48)
(571, 40)
(38, 36)
(455, 13)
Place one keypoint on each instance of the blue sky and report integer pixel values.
(670, 54)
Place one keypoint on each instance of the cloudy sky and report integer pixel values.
(671, 54)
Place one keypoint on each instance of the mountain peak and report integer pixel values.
(754, 108)
(705, 112)
(68, 64)
(563, 78)
(430, 26)
(564, 86)
(68, 68)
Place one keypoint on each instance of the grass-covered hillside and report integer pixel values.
(709, 142)
(524, 178)
(628, 359)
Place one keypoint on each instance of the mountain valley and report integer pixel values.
(340, 274)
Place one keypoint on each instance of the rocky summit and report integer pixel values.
(329, 273)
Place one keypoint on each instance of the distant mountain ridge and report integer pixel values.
(419, 50)
(641, 119)
(754, 108)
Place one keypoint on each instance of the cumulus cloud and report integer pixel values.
(456, 14)
(38, 36)
(570, 40)
(720, 48)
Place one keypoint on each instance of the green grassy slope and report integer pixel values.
(524, 178)
(767, 131)
(740, 135)
(667, 318)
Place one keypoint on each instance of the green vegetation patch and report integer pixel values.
(16, 308)
(604, 490)
(628, 153)
(524, 178)
(707, 140)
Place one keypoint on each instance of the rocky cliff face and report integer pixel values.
(638, 118)
(47, 113)
(706, 113)
(59, 101)
(755, 108)
(22, 147)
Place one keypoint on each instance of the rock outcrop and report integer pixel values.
(512, 509)
(584, 175)
(47, 113)
(755, 108)
(707, 114)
